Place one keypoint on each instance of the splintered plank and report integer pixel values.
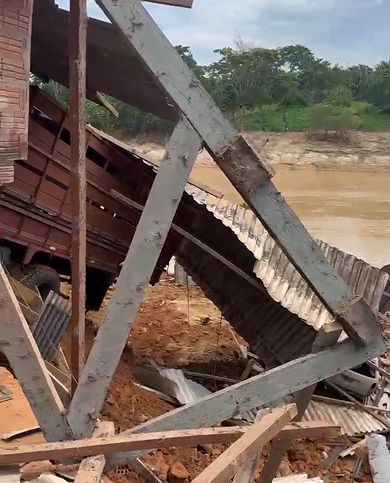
(20, 348)
(141, 259)
(91, 469)
(245, 168)
(103, 443)
(228, 464)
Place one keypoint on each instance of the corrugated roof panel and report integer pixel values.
(351, 419)
(282, 281)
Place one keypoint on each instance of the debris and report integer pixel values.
(225, 466)
(178, 473)
(5, 394)
(20, 434)
(10, 474)
(50, 478)
(365, 408)
(379, 458)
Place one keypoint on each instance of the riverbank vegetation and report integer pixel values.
(283, 89)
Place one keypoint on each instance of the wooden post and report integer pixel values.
(91, 469)
(141, 259)
(20, 348)
(77, 81)
(246, 169)
(226, 466)
(258, 391)
(327, 336)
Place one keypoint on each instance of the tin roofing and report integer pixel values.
(350, 418)
(282, 281)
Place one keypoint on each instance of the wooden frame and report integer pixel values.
(148, 241)
(245, 168)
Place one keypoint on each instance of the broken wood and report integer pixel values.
(21, 350)
(130, 442)
(246, 372)
(381, 371)
(257, 391)
(91, 469)
(227, 465)
(141, 259)
(327, 336)
(246, 473)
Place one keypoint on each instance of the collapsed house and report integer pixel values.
(287, 295)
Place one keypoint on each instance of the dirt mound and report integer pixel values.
(179, 327)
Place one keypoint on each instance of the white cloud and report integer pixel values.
(339, 30)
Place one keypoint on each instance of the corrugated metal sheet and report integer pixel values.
(186, 391)
(282, 281)
(51, 324)
(351, 419)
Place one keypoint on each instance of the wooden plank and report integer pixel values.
(95, 446)
(91, 469)
(379, 458)
(258, 391)
(327, 336)
(226, 466)
(247, 471)
(244, 167)
(128, 442)
(20, 348)
(141, 259)
(77, 79)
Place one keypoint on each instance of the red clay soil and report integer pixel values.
(180, 327)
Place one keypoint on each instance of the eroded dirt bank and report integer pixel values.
(362, 151)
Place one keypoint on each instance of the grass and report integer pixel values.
(364, 116)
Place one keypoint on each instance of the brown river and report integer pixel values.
(350, 210)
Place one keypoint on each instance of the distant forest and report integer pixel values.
(283, 89)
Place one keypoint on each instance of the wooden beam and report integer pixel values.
(77, 82)
(327, 336)
(226, 466)
(251, 279)
(141, 259)
(244, 167)
(106, 444)
(91, 469)
(258, 391)
(247, 471)
(20, 348)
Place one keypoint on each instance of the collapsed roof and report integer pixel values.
(113, 67)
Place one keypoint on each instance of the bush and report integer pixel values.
(340, 96)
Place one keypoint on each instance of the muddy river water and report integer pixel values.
(350, 210)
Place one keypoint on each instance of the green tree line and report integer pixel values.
(287, 88)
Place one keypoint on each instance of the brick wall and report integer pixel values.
(15, 46)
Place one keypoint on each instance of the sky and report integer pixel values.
(343, 31)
